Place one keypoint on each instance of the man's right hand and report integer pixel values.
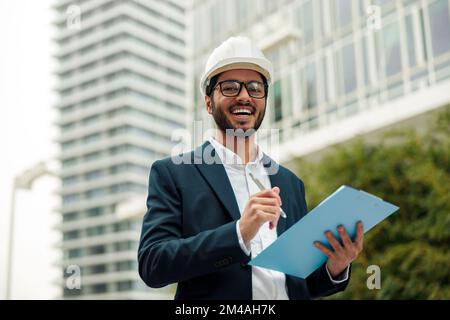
(262, 207)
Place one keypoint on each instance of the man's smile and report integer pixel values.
(242, 113)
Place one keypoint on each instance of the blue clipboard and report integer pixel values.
(294, 252)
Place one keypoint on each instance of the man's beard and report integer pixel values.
(224, 124)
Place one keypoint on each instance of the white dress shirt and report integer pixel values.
(266, 283)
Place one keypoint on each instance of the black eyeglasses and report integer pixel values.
(232, 88)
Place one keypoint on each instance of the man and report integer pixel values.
(206, 219)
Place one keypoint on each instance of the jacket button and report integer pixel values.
(244, 265)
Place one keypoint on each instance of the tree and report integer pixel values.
(411, 170)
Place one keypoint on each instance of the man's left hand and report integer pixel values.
(343, 253)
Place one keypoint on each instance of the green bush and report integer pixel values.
(411, 170)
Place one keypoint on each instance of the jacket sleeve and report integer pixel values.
(319, 282)
(164, 256)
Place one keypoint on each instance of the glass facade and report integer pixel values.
(351, 55)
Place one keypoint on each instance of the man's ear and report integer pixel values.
(208, 104)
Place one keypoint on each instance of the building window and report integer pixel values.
(97, 250)
(68, 127)
(329, 67)
(391, 46)
(70, 235)
(92, 138)
(409, 28)
(366, 60)
(307, 22)
(96, 193)
(92, 175)
(95, 231)
(215, 15)
(309, 86)
(122, 226)
(71, 198)
(68, 145)
(277, 101)
(440, 27)
(125, 266)
(242, 13)
(92, 156)
(325, 97)
(70, 216)
(423, 33)
(344, 12)
(90, 120)
(94, 212)
(96, 269)
(99, 288)
(74, 253)
(70, 181)
(124, 245)
(124, 285)
(383, 2)
(326, 19)
(287, 94)
(348, 66)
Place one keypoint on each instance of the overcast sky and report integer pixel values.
(26, 137)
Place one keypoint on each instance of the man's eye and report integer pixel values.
(254, 88)
(229, 88)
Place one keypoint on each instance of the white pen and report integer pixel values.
(261, 187)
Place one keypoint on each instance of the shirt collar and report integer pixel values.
(229, 157)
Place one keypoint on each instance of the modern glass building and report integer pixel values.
(342, 67)
(122, 78)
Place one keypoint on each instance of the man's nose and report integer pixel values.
(243, 95)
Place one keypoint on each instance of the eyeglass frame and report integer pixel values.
(242, 83)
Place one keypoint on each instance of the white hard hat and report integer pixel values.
(235, 53)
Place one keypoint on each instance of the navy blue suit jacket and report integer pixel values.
(189, 231)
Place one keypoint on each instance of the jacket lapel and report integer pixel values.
(212, 170)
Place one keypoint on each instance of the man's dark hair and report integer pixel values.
(211, 85)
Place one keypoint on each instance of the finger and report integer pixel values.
(268, 193)
(334, 243)
(268, 209)
(267, 217)
(264, 193)
(273, 224)
(265, 201)
(276, 194)
(277, 191)
(324, 249)
(344, 236)
(359, 235)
